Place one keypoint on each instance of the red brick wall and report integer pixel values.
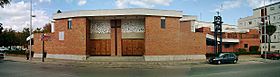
(191, 43)
(74, 39)
(175, 39)
(160, 41)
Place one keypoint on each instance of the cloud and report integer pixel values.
(260, 3)
(82, 2)
(229, 5)
(17, 16)
(142, 3)
(41, 1)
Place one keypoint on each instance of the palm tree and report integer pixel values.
(4, 2)
(270, 29)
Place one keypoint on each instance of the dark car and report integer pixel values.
(223, 58)
(271, 55)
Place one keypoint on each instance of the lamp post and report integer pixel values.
(30, 32)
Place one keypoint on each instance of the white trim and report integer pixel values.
(119, 12)
(63, 56)
(173, 57)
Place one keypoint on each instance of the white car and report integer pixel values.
(3, 49)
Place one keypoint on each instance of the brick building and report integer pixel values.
(232, 41)
(152, 34)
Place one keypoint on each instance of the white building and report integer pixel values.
(198, 24)
(272, 11)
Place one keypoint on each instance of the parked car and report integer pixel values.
(224, 58)
(271, 55)
(2, 55)
(3, 49)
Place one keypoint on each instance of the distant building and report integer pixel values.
(234, 38)
(272, 11)
(232, 41)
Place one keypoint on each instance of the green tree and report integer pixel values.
(270, 29)
(47, 28)
(1, 28)
(38, 30)
(4, 2)
(24, 35)
(8, 38)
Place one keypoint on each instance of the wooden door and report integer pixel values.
(99, 43)
(133, 47)
(101, 47)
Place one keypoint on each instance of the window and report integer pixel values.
(275, 36)
(61, 36)
(272, 46)
(162, 22)
(227, 45)
(245, 45)
(279, 6)
(271, 8)
(69, 23)
(250, 22)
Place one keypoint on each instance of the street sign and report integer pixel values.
(45, 37)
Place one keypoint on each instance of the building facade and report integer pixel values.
(232, 41)
(272, 14)
(155, 35)
(234, 37)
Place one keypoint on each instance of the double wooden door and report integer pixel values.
(116, 45)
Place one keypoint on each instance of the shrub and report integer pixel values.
(253, 48)
(17, 52)
(242, 50)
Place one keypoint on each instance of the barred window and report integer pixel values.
(69, 23)
(162, 23)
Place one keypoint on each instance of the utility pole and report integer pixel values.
(265, 23)
(30, 32)
(43, 47)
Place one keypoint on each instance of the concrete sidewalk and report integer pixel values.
(243, 59)
(109, 64)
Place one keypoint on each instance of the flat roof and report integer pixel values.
(267, 5)
(119, 12)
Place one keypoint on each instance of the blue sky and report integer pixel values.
(231, 11)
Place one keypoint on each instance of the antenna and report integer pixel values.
(200, 16)
(219, 11)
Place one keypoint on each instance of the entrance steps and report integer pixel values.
(116, 58)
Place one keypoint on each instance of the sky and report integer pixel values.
(16, 15)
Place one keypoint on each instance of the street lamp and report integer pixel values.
(30, 32)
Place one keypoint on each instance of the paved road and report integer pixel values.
(25, 69)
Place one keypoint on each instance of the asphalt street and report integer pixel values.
(9, 68)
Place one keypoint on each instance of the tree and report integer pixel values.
(1, 28)
(270, 29)
(38, 30)
(8, 38)
(47, 28)
(4, 2)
